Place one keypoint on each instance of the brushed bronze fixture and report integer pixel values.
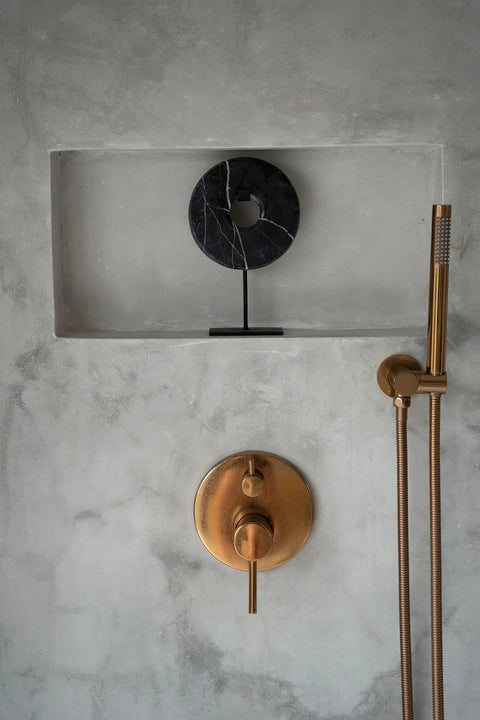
(401, 377)
(253, 511)
(253, 539)
(438, 292)
(252, 483)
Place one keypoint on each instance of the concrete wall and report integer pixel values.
(110, 606)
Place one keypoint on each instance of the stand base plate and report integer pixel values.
(255, 331)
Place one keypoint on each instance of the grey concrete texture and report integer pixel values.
(110, 605)
(125, 260)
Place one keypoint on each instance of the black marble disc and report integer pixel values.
(240, 180)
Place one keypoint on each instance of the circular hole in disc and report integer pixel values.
(245, 213)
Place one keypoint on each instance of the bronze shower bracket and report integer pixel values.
(401, 376)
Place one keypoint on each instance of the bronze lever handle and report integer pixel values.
(253, 540)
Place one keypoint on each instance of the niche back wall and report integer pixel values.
(111, 607)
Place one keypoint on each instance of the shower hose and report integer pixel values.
(435, 560)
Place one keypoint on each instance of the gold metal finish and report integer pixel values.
(267, 528)
(390, 367)
(252, 587)
(403, 561)
(431, 383)
(402, 401)
(400, 377)
(253, 537)
(437, 340)
(436, 559)
(438, 293)
(286, 503)
(442, 211)
(252, 483)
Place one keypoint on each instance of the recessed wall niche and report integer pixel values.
(126, 265)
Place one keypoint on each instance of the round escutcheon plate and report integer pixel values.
(285, 502)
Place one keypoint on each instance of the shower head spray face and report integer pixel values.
(438, 294)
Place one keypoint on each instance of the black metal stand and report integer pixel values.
(245, 330)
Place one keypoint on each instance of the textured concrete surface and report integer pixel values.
(110, 606)
(126, 261)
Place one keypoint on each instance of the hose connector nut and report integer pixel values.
(402, 401)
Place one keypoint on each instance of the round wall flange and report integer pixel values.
(389, 365)
(285, 502)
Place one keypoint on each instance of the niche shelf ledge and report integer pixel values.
(126, 266)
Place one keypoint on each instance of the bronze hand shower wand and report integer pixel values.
(400, 377)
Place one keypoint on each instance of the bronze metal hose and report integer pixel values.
(402, 404)
(403, 562)
(436, 558)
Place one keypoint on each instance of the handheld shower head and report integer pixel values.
(400, 377)
(438, 293)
